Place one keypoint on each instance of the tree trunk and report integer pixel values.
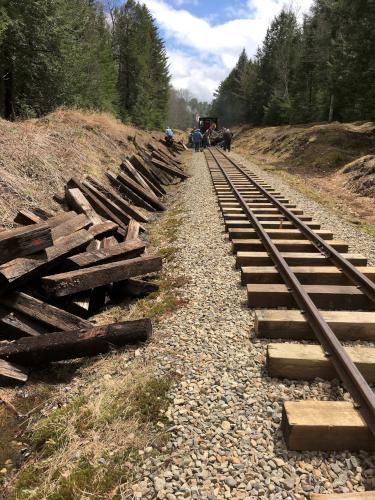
(331, 107)
(9, 96)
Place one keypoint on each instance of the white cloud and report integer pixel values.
(221, 42)
(189, 72)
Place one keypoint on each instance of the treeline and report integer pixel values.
(184, 109)
(322, 69)
(73, 53)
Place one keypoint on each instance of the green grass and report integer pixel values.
(65, 463)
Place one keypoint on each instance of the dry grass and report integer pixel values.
(317, 149)
(90, 445)
(335, 197)
(330, 163)
(92, 425)
(37, 156)
(158, 305)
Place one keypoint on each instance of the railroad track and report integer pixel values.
(305, 286)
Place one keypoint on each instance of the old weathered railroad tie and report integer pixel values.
(244, 195)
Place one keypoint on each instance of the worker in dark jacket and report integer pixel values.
(206, 139)
(197, 140)
(227, 136)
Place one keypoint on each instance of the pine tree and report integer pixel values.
(143, 77)
(88, 67)
(30, 55)
(230, 98)
(55, 52)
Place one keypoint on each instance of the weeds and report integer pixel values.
(91, 444)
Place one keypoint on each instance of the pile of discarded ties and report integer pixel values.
(57, 270)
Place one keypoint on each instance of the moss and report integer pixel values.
(150, 398)
(168, 252)
(94, 478)
(49, 434)
(142, 399)
(27, 480)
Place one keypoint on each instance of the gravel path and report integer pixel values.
(225, 412)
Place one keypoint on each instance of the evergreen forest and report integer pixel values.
(74, 53)
(319, 69)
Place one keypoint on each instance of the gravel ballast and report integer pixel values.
(225, 413)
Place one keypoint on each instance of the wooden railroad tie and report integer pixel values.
(307, 425)
(292, 324)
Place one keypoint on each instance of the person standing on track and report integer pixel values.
(197, 139)
(227, 136)
(206, 139)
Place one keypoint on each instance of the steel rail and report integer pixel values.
(355, 276)
(349, 374)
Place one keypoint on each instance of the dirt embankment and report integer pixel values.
(337, 159)
(37, 156)
(96, 416)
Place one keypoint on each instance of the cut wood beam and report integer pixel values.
(115, 252)
(159, 192)
(12, 372)
(133, 212)
(325, 426)
(163, 177)
(104, 229)
(55, 318)
(126, 191)
(295, 259)
(308, 361)
(307, 275)
(61, 217)
(98, 203)
(63, 284)
(26, 217)
(133, 231)
(363, 495)
(109, 242)
(78, 202)
(159, 155)
(31, 351)
(14, 325)
(279, 234)
(245, 224)
(21, 270)
(144, 194)
(93, 186)
(334, 297)
(169, 169)
(70, 226)
(129, 170)
(142, 167)
(285, 245)
(24, 240)
(292, 324)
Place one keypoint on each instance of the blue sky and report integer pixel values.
(205, 37)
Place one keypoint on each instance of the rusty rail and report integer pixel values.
(349, 374)
(358, 278)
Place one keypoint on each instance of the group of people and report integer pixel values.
(201, 140)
